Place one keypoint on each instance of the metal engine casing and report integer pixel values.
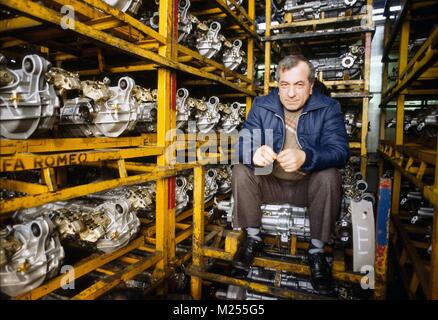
(29, 104)
(185, 20)
(211, 186)
(102, 111)
(209, 42)
(147, 110)
(208, 116)
(348, 66)
(283, 220)
(234, 57)
(309, 10)
(231, 116)
(352, 124)
(184, 185)
(223, 178)
(30, 253)
(129, 6)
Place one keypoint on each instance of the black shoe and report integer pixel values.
(320, 272)
(245, 254)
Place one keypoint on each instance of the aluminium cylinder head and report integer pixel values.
(28, 104)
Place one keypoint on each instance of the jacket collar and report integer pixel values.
(272, 102)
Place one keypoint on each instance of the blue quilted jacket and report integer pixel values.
(320, 131)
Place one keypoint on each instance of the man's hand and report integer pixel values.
(291, 159)
(264, 156)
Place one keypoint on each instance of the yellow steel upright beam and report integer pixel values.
(163, 126)
(198, 229)
(403, 61)
(365, 105)
(250, 55)
(434, 255)
(267, 47)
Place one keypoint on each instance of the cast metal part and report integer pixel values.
(223, 178)
(352, 123)
(348, 66)
(103, 111)
(208, 117)
(28, 104)
(234, 56)
(209, 42)
(309, 10)
(232, 115)
(129, 6)
(183, 186)
(146, 100)
(185, 20)
(30, 253)
(211, 186)
(232, 6)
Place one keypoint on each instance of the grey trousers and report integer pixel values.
(319, 191)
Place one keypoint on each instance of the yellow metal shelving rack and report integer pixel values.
(150, 52)
(417, 80)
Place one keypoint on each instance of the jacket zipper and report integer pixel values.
(296, 135)
(284, 130)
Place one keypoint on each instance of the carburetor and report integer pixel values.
(185, 20)
(30, 253)
(28, 104)
(223, 178)
(352, 124)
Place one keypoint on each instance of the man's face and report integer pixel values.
(294, 87)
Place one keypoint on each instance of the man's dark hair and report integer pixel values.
(292, 61)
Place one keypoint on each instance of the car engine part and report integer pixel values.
(234, 56)
(223, 178)
(102, 111)
(129, 6)
(105, 226)
(211, 186)
(28, 104)
(185, 20)
(184, 185)
(30, 253)
(309, 10)
(232, 6)
(209, 40)
(352, 123)
(207, 116)
(147, 114)
(348, 66)
(231, 116)
(282, 220)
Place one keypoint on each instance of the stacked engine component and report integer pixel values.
(354, 189)
(208, 115)
(418, 123)
(128, 6)
(30, 253)
(282, 220)
(420, 210)
(28, 104)
(205, 36)
(309, 10)
(105, 225)
(352, 123)
(280, 279)
(347, 66)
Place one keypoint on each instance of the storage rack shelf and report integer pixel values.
(97, 35)
(415, 161)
